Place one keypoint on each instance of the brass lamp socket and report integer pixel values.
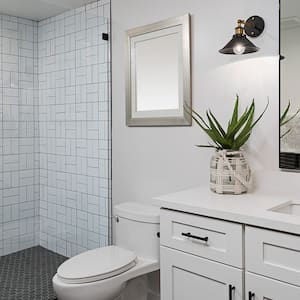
(240, 28)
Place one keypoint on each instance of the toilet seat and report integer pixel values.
(97, 264)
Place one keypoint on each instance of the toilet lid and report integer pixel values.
(97, 264)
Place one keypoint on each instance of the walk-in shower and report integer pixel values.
(55, 139)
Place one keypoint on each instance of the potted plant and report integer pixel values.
(229, 170)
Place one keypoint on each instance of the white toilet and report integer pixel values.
(102, 274)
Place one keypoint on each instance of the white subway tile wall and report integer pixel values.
(19, 158)
(74, 123)
(55, 131)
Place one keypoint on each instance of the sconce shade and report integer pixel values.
(239, 45)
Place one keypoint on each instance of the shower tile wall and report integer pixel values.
(19, 162)
(74, 129)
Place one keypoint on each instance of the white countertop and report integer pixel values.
(251, 209)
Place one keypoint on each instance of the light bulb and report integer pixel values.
(239, 49)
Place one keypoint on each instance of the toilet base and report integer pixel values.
(99, 290)
(107, 289)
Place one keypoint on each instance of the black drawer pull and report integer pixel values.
(189, 235)
(231, 290)
(251, 295)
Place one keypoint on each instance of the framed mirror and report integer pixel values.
(158, 79)
(289, 84)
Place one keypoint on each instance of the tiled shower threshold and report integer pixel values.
(27, 274)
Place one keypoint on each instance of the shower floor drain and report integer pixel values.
(27, 274)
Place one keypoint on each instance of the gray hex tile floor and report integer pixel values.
(27, 274)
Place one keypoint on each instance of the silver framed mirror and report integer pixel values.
(158, 76)
(289, 135)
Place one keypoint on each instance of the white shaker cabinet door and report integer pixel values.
(262, 288)
(188, 277)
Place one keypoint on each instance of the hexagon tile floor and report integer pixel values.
(27, 274)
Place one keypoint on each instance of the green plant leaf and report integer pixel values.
(246, 131)
(235, 111)
(194, 114)
(206, 146)
(238, 131)
(216, 132)
(241, 122)
(215, 138)
(290, 119)
(217, 123)
(282, 118)
(285, 133)
(200, 118)
(240, 142)
(261, 115)
(208, 132)
(199, 124)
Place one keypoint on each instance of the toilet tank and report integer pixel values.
(137, 229)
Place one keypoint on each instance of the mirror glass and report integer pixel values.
(157, 64)
(158, 77)
(289, 84)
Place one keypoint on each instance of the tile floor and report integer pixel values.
(27, 274)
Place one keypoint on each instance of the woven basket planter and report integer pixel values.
(229, 173)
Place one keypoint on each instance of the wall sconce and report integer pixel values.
(239, 43)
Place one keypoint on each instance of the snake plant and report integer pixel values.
(237, 132)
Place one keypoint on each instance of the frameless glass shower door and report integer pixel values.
(55, 131)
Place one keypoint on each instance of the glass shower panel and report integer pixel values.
(55, 131)
(74, 123)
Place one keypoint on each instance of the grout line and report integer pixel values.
(37, 122)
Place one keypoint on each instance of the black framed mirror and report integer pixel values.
(289, 133)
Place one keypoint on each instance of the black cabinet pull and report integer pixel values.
(251, 295)
(189, 235)
(231, 290)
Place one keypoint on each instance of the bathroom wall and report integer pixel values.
(157, 160)
(74, 133)
(19, 163)
(153, 161)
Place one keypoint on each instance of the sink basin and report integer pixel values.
(291, 208)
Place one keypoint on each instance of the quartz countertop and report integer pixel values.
(252, 208)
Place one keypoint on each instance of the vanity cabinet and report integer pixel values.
(213, 239)
(263, 288)
(273, 254)
(203, 258)
(186, 276)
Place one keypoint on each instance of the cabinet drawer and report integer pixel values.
(270, 289)
(188, 232)
(273, 254)
(188, 277)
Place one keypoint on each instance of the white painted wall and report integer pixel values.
(153, 161)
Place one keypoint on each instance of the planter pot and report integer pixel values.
(229, 173)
